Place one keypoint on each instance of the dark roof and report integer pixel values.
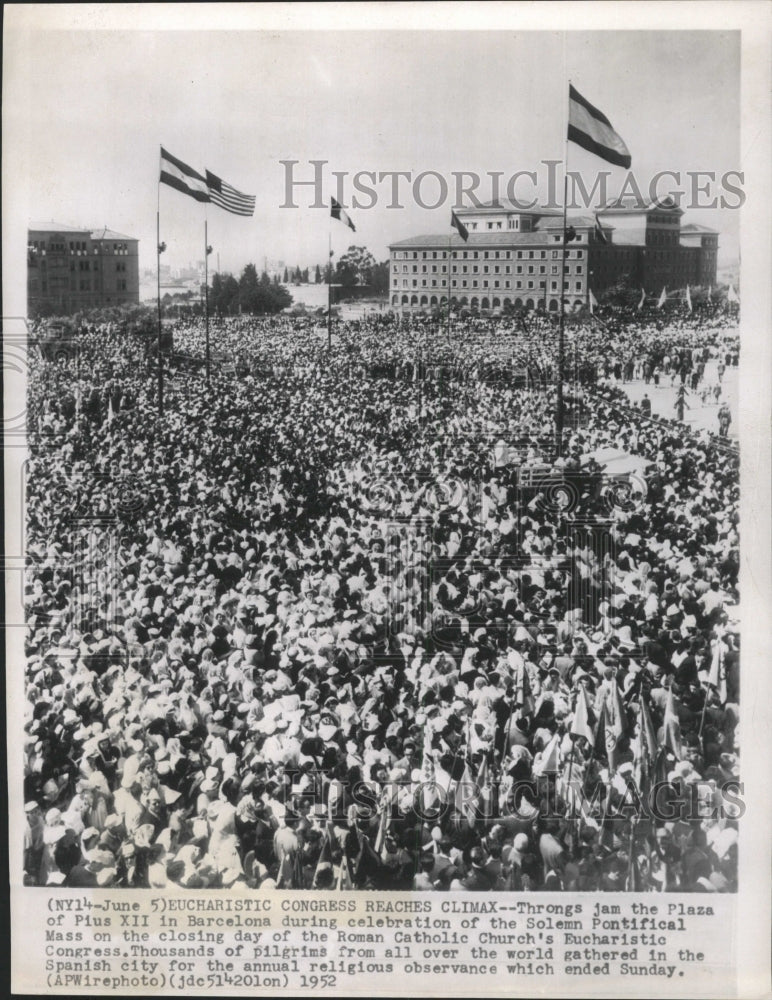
(578, 222)
(631, 204)
(495, 239)
(505, 205)
(108, 234)
(693, 227)
(56, 227)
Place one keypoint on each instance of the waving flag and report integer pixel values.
(663, 297)
(643, 299)
(672, 728)
(589, 128)
(337, 212)
(580, 725)
(593, 302)
(688, 298)
(183, 178)
(459, 226)
(227, 197)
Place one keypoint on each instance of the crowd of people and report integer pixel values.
(341, 619)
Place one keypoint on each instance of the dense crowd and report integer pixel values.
(340, 619)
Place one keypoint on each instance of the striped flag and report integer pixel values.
(227, 197)
(183, 178)
(458, 225)
(589, 128)
(337, 212)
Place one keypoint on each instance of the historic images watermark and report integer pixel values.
(430, 189)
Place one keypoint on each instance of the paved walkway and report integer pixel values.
(700, 415)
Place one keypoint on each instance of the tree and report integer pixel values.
(318, 275)
(355, 267)
(380, 278)
(261, 295)
(305, 276)
(285, 279)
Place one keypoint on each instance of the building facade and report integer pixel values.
(513, 256)
(71, 269)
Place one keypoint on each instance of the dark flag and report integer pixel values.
(337, 212)
(183, 178)
(589, 128)
(459, 226)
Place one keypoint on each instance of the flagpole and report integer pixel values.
(561, 333)
(206, 294)
(450, 279)
(158, 279)
(329, 290)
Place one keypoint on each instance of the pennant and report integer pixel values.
(524, 700)
(337, 212)
(672, 728)
(663, 298)
(688, 298)
(593, 303)
(459, 226)
(646, 748)
(325, 855)
(549, 762)
(589, 128)
(183, 178)
(227, 197)
(580, 724)
(344, 875)
(643, 299)
(110, 411)
(717, 675)
(466, 796)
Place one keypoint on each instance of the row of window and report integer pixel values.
(495, 224)
(486, 254)
(433, 283)
(497, 269)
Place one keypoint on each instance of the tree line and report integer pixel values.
(251, 293)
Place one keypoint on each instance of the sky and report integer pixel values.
(85, 112)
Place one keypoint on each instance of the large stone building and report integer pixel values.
(512, 257)
(71, 269)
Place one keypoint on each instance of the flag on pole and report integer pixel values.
(589, 128)
(580, 725)
(688, 298)
(599, 233)
(466, 796)
(646, 748)
(593, 302)
(643, 299)
(672, 728)
(717, 675)
(731, 294)
(183, 178)
(337, 212)
(549, 761)
(662, 298)
(459, 226)
(227, 197)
